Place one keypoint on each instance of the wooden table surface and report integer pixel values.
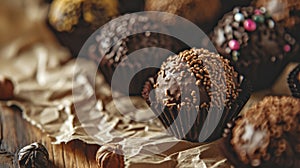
(15, 133)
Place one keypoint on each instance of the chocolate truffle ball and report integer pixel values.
(73, 21)
(6, 88)
(294, 82)
(266, 136)
(257, 46)
(194, 86)
(110, 156)
(200, 12)
(116, 41)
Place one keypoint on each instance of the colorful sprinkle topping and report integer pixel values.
(239, 17)
(287, 48)
(234, 45)
(249, 25)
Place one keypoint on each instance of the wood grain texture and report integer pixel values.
(15, 133)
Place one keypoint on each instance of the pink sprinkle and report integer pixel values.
(249, 25)
(287, 48)
(257, 12)
(234, 45)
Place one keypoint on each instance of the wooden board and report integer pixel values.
(15, 133)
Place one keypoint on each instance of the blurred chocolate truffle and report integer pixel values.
(110, 156)
(200, 12)
(73, 21)
(135, 34)
(294, 82)
(6, 88)
(257, 46)
(266, 136)
(194, 88)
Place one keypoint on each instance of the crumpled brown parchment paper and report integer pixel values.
(67, 100)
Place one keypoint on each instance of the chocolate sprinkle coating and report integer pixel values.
(195, 82)
(294, 82)
(267, 135)
(109, 53)
(34, 155)
(110, 156)
(256, 45)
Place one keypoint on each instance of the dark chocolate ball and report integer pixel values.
(192, 85)
(266, 136)
(257, 46)
(116, 41)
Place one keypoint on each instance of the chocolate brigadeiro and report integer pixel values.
(117, 40)
(266, 136)
(286, 12)
(73, 21)
(200, 12)
(193, 87)
(294, 82)
(257, 46)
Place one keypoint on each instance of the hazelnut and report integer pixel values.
(110, 156)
